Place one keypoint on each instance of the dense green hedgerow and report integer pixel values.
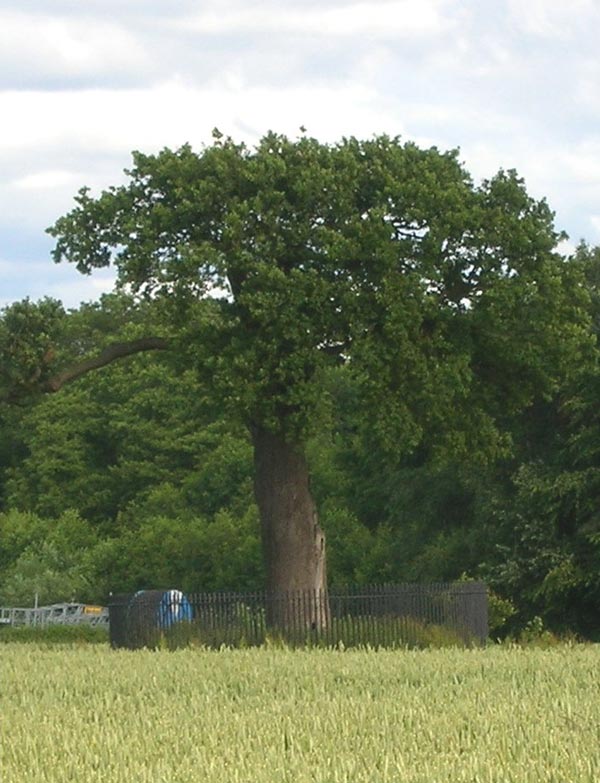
(55, 634)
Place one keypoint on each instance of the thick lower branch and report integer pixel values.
(110, 354)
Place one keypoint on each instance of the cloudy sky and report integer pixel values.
(513, 83)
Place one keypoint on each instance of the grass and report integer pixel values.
(505, 714)
(55, 634)
(250, 630)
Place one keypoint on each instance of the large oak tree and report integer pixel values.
(446, 301)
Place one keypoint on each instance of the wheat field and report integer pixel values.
(88, 714)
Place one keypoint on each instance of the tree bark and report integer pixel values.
(293, 542)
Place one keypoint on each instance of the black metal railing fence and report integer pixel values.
(403, 615)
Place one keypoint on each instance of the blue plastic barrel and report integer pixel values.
(173, 608)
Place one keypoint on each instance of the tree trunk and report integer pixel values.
(293, 543)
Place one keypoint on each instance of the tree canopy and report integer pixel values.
(439, 293)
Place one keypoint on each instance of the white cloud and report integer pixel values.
(44, 278)
(585, 84)
(595, 223)
(52, 46)
(386, 19)
(73, 288)
(566, 247)
(583, 162)
(553, 19)
(43, 180)
(173, 113)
